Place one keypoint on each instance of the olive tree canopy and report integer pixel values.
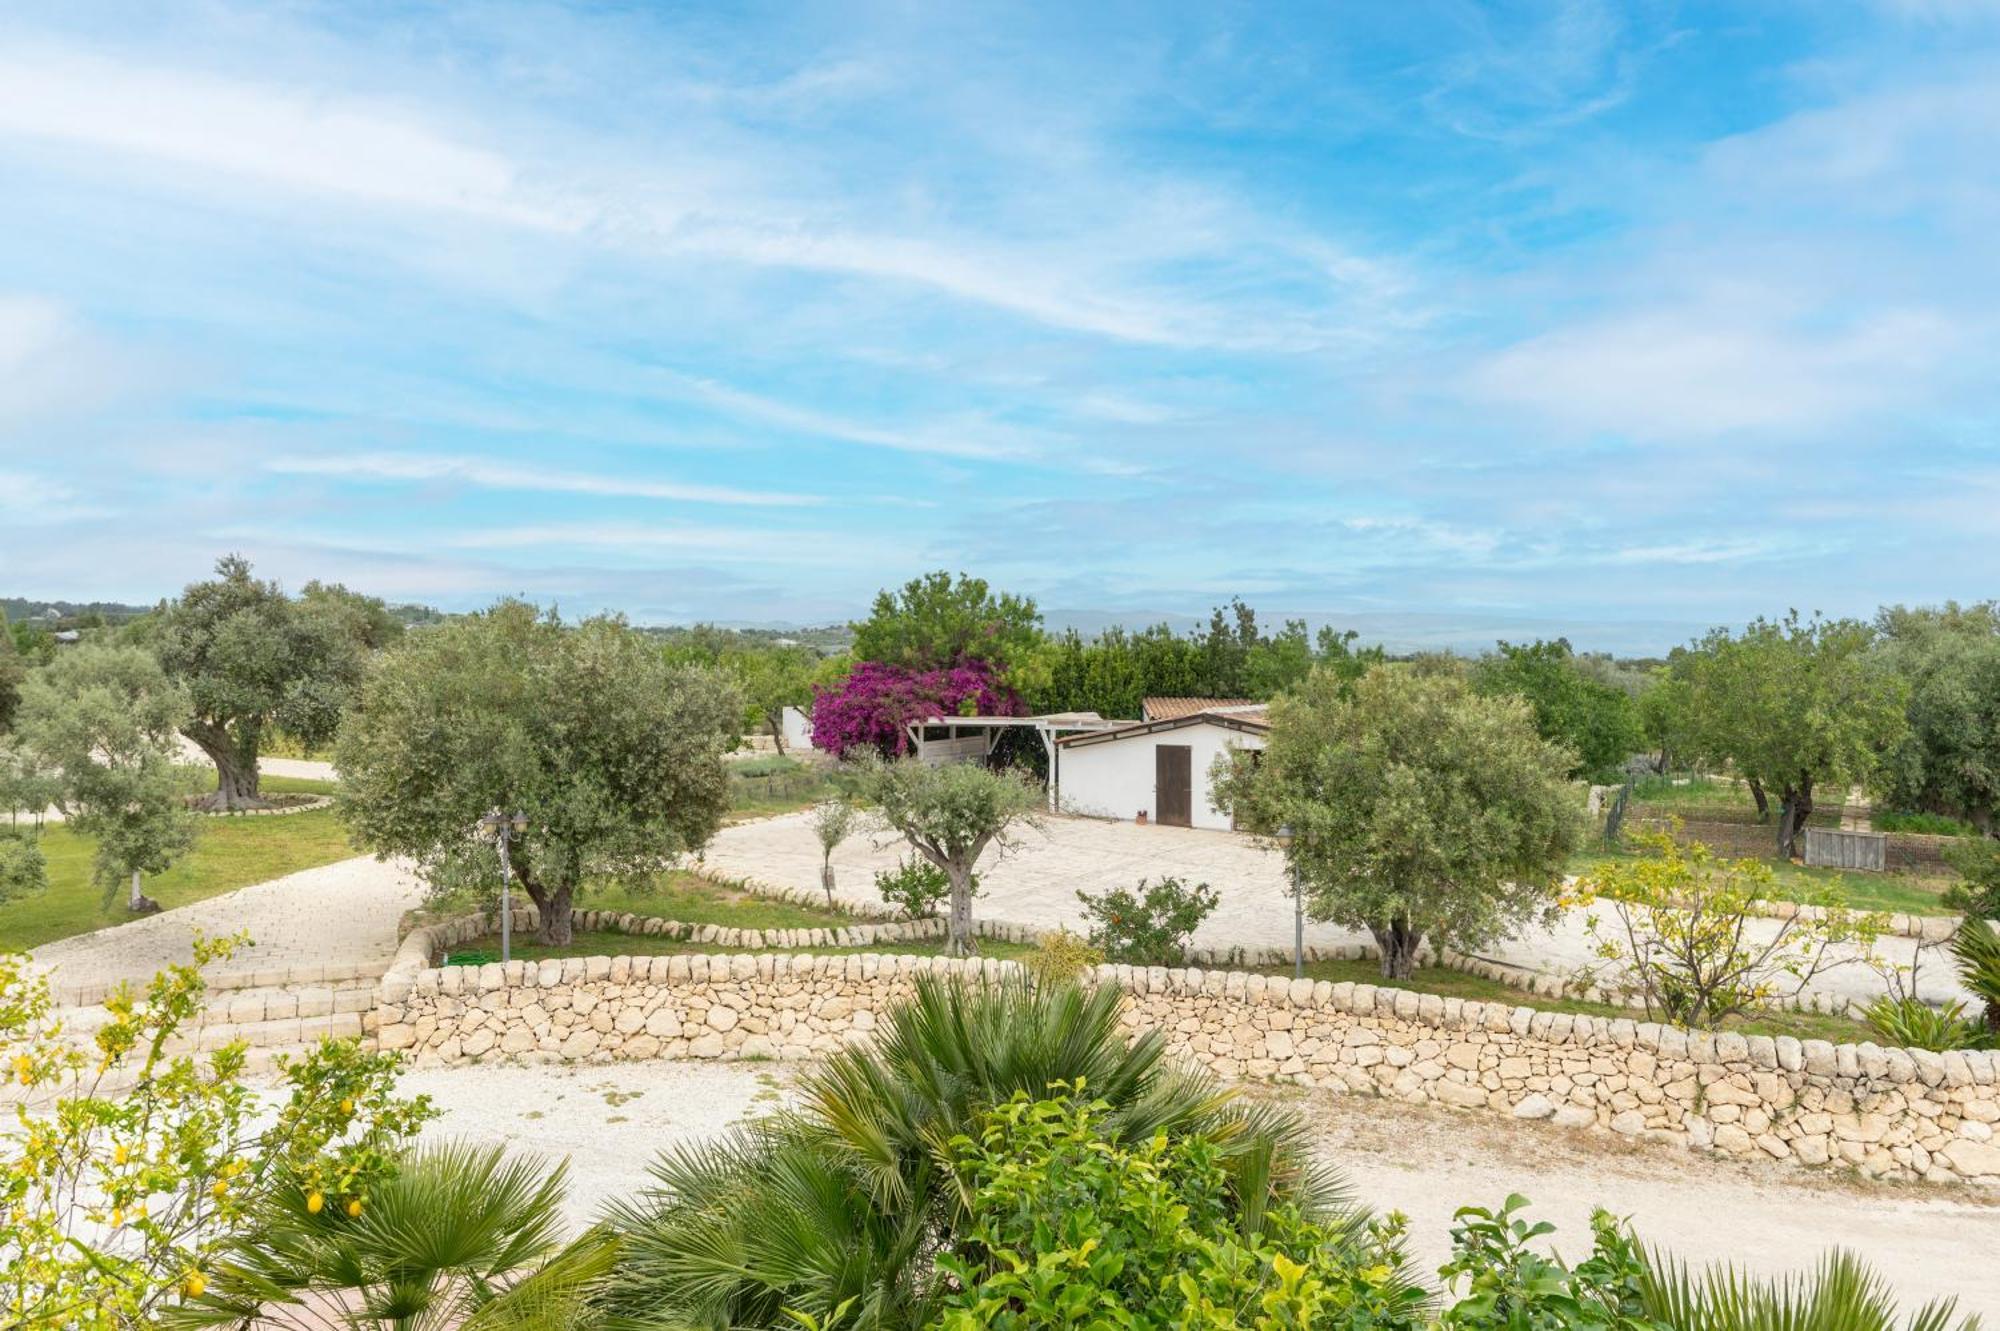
(102, 719)
(251, 658)
(1419, 808)
(951, 814)
(1796, 704)
(614, 755)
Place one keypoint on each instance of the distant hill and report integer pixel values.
(1404, 633)
(74, 614)
(68, 614)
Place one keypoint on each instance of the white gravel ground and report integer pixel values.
(609, 1121)
(1036, 882)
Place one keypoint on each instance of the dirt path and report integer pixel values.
(1927, 1241)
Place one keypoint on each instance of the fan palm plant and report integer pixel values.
(843, 1203)
(1976, 949)
(1842, 1294)
(460, 1239)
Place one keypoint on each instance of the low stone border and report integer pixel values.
(418, 953)
(1923, 928)
(305, 806)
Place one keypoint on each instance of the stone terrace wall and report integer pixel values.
(1895, 1113)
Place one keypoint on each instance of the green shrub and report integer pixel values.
(1072, 1230)
(1978, 862)
(1149, 927)
(1061, 957)
(1508, 1286)
(916, 887)
(1926, 824)
(1911, 1023)
(848, 1200)
(23, 870)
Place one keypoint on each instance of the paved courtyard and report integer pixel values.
(1036, 881)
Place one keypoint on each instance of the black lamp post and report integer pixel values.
(1298, 905)
(500, 826)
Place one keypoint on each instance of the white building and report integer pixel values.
(798, 729)
(1159, 768)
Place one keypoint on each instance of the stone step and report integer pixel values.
(248, 1009)
(225, 982)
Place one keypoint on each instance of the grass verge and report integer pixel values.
(605, 944)
(1903, 893)
(228, 853)
(1449, 983)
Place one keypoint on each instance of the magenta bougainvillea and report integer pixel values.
(871, 709)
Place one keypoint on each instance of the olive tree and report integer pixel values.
(950, 814)
(102, 719)
(251, 659)
(1419, 809)
(832, 821)
(1795, 704)
(1949, 759)
(613, 755)
(773, 679)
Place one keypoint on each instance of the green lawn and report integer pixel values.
(229, 853)
(1701, 792)
(779, 790)
(1457, 984)
(608, 944)
(1904, 893)
(693, 899)
(202, 779)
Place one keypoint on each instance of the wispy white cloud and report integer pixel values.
(497, 474)
(31, 500)
(684, 203)
(963, 438)
(1706, 370)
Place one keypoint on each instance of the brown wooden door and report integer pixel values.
(1173, 785)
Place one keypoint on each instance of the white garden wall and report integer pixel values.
(1114, 778)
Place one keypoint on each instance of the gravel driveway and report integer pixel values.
(1036, 881)
(608, 1121)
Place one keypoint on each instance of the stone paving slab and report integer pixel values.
(1036, 881)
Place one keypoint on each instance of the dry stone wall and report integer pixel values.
(1887, 1112)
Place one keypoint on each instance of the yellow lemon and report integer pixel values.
(196, 1283)
(315, 1201)
(354, 1208)
(219, 1188)
(347, 1106)
(121, 1155)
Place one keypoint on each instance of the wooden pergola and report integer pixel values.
(962, 739)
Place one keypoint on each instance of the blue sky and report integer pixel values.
(1614, 318)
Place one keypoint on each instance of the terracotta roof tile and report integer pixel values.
(1168, 709)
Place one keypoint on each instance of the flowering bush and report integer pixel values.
(916, 887)
(1149, 927)
(873, 705)
(1681, 944)
(116, 1204)
(1072, 1227)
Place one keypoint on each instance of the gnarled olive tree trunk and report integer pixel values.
(1796, 807)
(1398, 941)
(961, 942)
(555, 907)
(235, 759)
